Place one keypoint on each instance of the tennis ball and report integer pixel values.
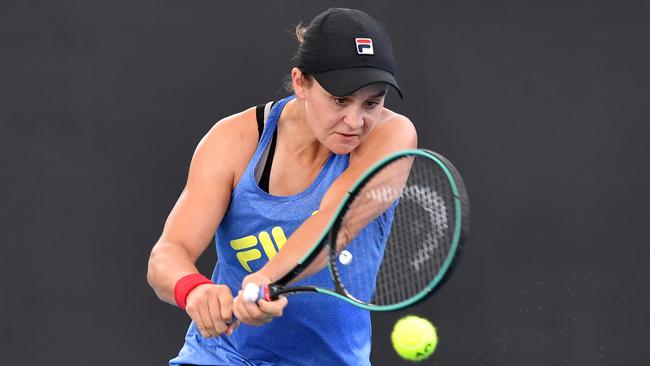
(414, 338)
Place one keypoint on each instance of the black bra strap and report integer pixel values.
(259, 112)
(266, 173)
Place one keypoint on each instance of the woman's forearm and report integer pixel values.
(167, 264)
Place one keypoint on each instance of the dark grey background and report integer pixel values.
(542, 105)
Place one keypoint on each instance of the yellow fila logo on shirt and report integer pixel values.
(247, 252)
(246, 246)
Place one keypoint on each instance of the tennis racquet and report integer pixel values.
(418, 201)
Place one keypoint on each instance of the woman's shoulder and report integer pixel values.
(237, 128)
(231, 141)
(392, 130)
(395, 122)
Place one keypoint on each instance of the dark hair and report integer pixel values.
(301, 29)
(299, 33)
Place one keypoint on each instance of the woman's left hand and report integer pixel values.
(261, 312)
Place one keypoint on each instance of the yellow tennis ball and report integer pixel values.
(414, 338)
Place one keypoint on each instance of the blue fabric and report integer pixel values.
(314, 329)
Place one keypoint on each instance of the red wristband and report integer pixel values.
(185, 285)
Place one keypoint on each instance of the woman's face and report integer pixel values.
(342, 123)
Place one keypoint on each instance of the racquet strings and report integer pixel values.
(410, 201)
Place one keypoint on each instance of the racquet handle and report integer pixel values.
(252, 293)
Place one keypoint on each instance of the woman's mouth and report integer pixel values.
(347, 135)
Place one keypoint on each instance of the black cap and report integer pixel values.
(345, 50)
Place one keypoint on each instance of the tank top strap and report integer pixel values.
(265, 139)
(269, 127)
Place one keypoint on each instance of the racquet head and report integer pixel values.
(417, 196)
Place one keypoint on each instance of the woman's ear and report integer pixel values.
(299, 82)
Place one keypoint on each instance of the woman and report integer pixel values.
(314, 145)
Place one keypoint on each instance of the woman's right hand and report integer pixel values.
(210, 307)
(262, 311)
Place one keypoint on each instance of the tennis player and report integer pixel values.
(267, 184)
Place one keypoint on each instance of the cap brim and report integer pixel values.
(346, 81)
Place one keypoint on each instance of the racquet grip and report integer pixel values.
(252, 293)
(265, 293)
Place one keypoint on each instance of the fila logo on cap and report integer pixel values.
(364, 46)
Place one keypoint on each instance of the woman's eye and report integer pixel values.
(340, 101)
(371, 104)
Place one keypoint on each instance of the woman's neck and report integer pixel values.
(296, 134)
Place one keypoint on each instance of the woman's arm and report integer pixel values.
(396, 133)
(194, 219)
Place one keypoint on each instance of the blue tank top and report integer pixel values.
(314, 329)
